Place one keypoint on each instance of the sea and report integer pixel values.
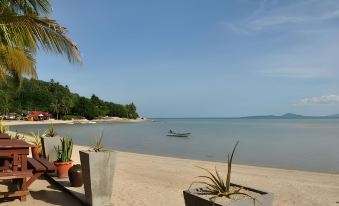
(301, 144)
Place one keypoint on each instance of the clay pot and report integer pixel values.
(62, 168)
(36, 152)
(75, 176)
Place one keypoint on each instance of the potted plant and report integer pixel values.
(50, 140)
(64, 155)
(219, 191)
(98, 165)
(3, 131)
(36, 150)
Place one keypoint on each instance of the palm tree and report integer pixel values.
(55, 107)
(25, 28)
(66, 105)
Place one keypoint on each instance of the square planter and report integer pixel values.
(98, 173)
(48, 145)
(192, 199)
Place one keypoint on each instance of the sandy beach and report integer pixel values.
(153, 180)
(84, 121)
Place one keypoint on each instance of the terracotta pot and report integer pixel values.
(36, 152)
(62, 168)
(75, 176)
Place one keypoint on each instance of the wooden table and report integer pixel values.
(14, 153)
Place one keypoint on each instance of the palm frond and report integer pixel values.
(29, 31)
(15, 62)
(37, 7)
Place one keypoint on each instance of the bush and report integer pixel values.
(70, 117)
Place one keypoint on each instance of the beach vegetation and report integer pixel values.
(17, 136)
(217, 186)
(3, 128)
(64, 152)
(25, 28)
(36, 139)
(98, 146)
(50, 131)
(58, 100)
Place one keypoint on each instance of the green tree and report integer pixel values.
(55, 107)
(66, 105)
(24, 28)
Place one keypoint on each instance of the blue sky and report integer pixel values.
(203, 58)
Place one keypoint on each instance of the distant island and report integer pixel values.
(291, 116)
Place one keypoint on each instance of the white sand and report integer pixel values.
(154, 180)
(22, 122)
(84, 121)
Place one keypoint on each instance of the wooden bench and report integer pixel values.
(23, 179)
(39, 166)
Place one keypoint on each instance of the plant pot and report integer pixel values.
(36, 152)
(98, 174)
(4, 136)
(263, 199)
(48, 145)
(62, 168)
(75, 176)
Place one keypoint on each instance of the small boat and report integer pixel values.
(174, 134)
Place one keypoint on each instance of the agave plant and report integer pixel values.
(97, 146)
(18, 136)
(3, 128)
(50, 132)
(216, 185)
(64, 154)
(36, 139)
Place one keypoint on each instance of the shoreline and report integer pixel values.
(75, 121)
(27, 135)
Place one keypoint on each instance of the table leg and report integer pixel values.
(23, 188)
(23, 163)
(15, 162)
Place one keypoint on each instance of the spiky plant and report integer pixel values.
(50, 132)
(97, 146)
(18, 136)
(216, 186)
(36, 139)
(3, 128)
(64, 154)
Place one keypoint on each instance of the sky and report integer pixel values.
(203, 58)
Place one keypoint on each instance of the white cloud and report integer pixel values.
(269, 14)
(297, 72)
(327, 99)
(279, 19)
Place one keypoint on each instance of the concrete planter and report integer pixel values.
(48, 145)
(192, 199)
(98, 173)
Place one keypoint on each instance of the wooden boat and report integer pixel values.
(175, 134)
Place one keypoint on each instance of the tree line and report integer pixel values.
(37, 95)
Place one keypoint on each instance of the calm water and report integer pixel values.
(294, 144)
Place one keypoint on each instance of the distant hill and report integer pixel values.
(291, 116)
